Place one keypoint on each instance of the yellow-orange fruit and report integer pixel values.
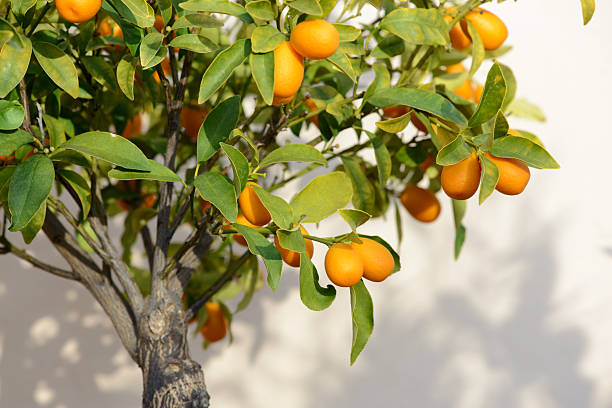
(142, 201)
(417, 123)
(215, 327)
(165, 64)
(104, 29)
(252, 207)
(132, 127)
(465, 90)
(458, 38)
(513, 175)
(77, 11)
(288, 70)
(460, 180)
(478, 93)
(192, 119)
(312, 106)
(292, 258)
(428, 162)
(240, 219)
(315, 39)
(395, 111)
(159, 23)
(282, 100)
(205, 205)
(343, 265)
(377, 261)
(422, 204)
(492, 31)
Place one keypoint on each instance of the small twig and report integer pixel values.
(226, 277)
(20, 253)
(145, 234)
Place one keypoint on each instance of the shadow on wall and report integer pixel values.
(471, 362)
(57, 348)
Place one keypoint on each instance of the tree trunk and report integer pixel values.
(171, 378)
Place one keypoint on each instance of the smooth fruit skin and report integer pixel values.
(315, 39)
(282, 100)
(343, 265)
(240, 219)
(417, 123)
(492, 31)
(215, 327)
(165, 64)
(377, 261)
(288, 70)
(422, 204)
(192, 119)
(460, 180)
(478, 93)
(252, 207)
(458, 38)
(132, 127)
(104, 29)
(465, 90)
(292, 258)
(78, 11)
(513, 175)
(395, 111)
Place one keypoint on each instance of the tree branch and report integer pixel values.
(20, 253)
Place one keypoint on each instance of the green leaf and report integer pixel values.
(311, 7)
(259, 245)
(21, 7)
(343, 63)
(30, 185)
(217, 189)
(301, 153)
(459, 207)
(14, 59)
(125, 75)
(279, 210)
(137, 12)
(55, 128)
(383, 158)
(11, 141)
(218, 6)
(111, 148)
(266, 38)
(382, 79)
(347, 32)
(501, 126)
(522, 108)
(194, 42)
(222, 67)
(337, 189)
(354, 218)
(217, 127)
(58, 66)
(523, 149)
(417, 26)
(395, 125)
(478, 50)
(165, 8)
(5, 36)
(157, 171)
(489, 175)
(240, 165)
(313, 295)
(81, 188)
(421, 99)
(262, 67)
(362, 310)
(100, 70)
(196, 20)
(11, 115)
(134, 223)
(149, 47)
(510, 85)
(260, 9)
(364, 195)
(6, 173)
(588, 8)
(453, 152)
(492, 97)
(30, 231)
(388, 47)
(292, 240)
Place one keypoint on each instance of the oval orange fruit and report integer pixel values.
(422, 204)
(460, 180)
(343, 265)
(378, 263)
(315, 39)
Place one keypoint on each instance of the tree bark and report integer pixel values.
(171, 378)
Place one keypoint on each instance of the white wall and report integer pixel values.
(521, 320)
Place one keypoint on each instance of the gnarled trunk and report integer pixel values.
(171, 378)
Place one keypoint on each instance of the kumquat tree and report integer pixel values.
(167, 113)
